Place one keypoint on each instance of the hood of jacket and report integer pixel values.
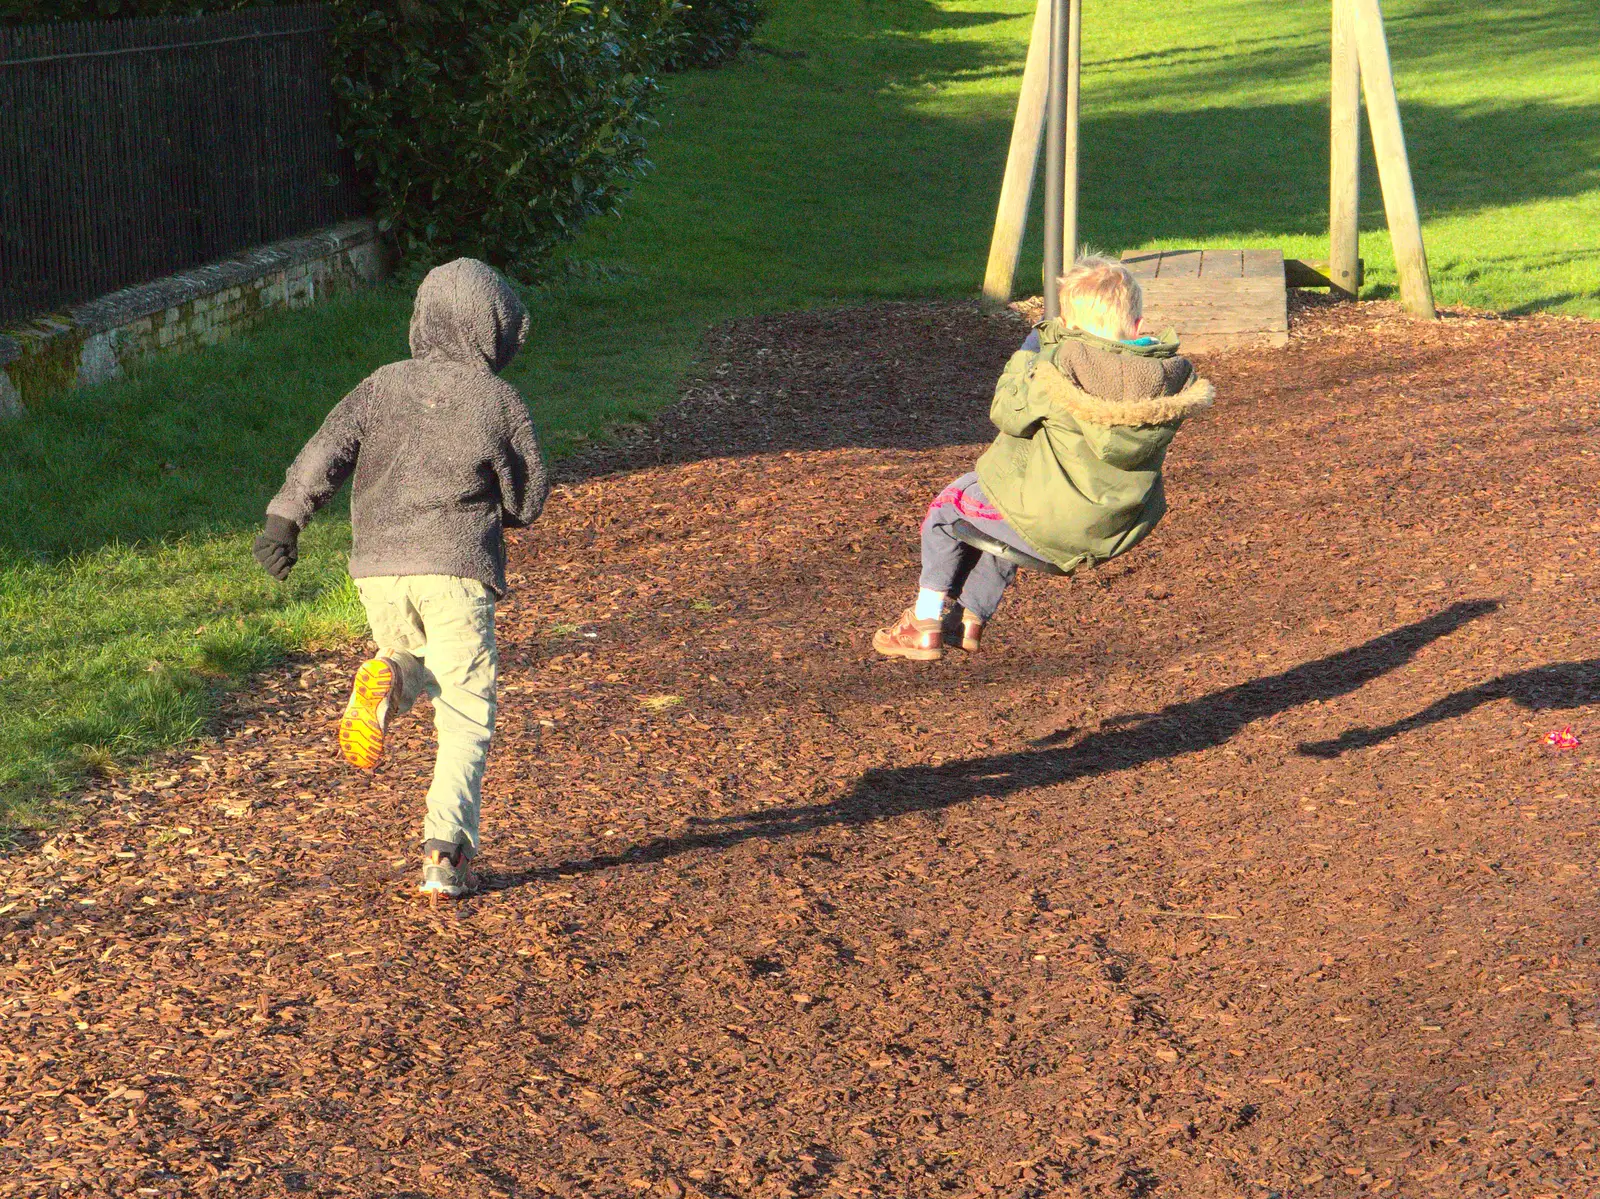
(1116, 382)
(1164, 346)
(468, 314)
(1063, 390)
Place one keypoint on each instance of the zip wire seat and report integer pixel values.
(968, 534)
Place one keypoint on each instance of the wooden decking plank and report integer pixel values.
(1261, 304)
(1254, 317)
(1216, 287)
(1262, 263)
(1221, 264)
(1218, 324)
(1196, 338)
(1215, 332)
(1250, 318)
(1269, 317)
(1213, 324)
(1144, 266)
(1210, 324)
(1208, 343)
(1179, 264)
(1215, 299)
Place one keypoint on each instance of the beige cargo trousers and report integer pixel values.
(438, 630)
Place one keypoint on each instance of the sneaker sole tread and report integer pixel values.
(360, 732)
(890, 649)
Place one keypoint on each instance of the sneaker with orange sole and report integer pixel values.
(908, 637)
(361, 727)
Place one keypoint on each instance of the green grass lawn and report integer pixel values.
(855, 156)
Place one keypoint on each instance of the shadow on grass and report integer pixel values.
(1127, 743)
(1545, 303)
(1262, 160)
(1435, 37)
(920, 16)
(1172, 56)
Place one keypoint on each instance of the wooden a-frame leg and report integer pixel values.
(1394, 172)
(1344, 157)
(1022, 160)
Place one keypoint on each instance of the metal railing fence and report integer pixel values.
(133, 149)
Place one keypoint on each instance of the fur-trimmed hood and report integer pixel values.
(1063, 392)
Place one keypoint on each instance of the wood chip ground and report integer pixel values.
(1239, 867)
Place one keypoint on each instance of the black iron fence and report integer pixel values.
(132, 149)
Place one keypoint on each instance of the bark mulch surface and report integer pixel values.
(1239, 866)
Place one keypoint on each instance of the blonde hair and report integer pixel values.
(1101, 296)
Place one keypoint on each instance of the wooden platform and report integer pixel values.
(1216, 299)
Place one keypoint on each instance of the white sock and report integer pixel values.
(930, 604)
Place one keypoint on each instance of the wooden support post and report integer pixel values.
(1394, 172)
(1022, 161)
(1069, 181)
(1055, 149)
(1344, 173)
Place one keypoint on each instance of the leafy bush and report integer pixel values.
(494, 127)
(712, 32)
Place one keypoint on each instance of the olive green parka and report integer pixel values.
(1084, 427)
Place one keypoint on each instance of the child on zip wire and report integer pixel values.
(1086, 409)
(445, 460)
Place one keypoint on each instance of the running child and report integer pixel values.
(444, 459)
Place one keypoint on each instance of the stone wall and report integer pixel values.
(94, 342)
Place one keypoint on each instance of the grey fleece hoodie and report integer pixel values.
(443, 452)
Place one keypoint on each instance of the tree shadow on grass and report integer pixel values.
(1126, 743)
(1260, 157)
(920, 16)
(1438, 38)
(1540, 689)
(1545, 303)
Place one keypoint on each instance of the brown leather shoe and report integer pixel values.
(971, 632)
(961, 628)
(908, 637)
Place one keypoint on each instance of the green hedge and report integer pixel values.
(489, 127)
(495, 127)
